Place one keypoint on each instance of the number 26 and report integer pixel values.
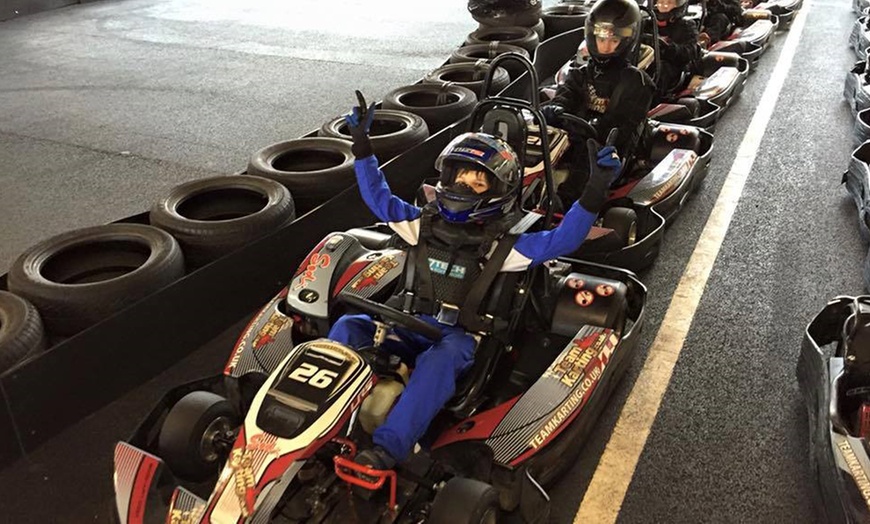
(310, 374)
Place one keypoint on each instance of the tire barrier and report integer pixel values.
(21, 331)
(392, 133)
(470, 75)
(81, 277)
(215, 216)
(439, 105)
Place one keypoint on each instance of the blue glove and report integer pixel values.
(609, 158)
(552, 114)
(359, 122)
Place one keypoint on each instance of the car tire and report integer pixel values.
(470, 75)
(21, 331)
(487, 52)
(81, 277)
(313, 169)
(438, 105)
(464, 501)
(494, 14)
(215, 216)
(623, 221)
(392, 133)
(562, 18)
(186, 440)
(513, 35)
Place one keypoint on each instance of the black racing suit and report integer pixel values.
(610, 95)
(722, 17)
(679, 50)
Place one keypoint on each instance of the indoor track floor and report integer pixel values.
(105, 106)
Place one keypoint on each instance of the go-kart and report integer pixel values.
(857, 87)
(651, 190)
(833, 374)
(785, 10)
(272, 439)
(859, 37)
(751, 40)
(698, 99)
(653, 186)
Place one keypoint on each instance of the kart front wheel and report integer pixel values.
(623, 221)
(196, 435)
(465, 501)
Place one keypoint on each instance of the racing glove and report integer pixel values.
(359, 122)
(604, 167)
(552, 114)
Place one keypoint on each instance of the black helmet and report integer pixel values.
(613, 19)
(669, 10)
(493, 157)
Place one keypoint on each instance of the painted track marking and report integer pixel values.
(609, 484)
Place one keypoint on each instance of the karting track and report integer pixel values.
(107, 105)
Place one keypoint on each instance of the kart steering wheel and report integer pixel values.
(392, 315)
(580, 123)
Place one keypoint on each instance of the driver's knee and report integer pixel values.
(354, 330)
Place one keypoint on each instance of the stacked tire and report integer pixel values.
(564, 17)
(439, 105)
(392, 132)
(81, 277)
(505, 13)
(215, 216)
(21, 332)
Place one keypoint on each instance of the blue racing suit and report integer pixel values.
(438, 365)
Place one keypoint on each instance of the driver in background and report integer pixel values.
(456, 236)
(678, 43)
(721, 19)
(607, 91)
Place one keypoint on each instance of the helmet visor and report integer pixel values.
(606, 30)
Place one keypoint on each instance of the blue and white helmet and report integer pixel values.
(458, 202)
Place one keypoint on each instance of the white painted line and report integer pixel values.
(616, 468)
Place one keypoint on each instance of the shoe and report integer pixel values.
(375, 458)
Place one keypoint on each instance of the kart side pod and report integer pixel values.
(586, 299)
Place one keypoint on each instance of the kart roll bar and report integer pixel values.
(532, 106)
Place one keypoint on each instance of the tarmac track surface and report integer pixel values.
(107, 105)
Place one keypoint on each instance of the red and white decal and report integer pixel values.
(134, 472)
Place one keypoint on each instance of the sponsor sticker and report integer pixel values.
(440, 267)
(276, 323)
(584, 298)
(604, 290)
(375, 272)
(309, 274)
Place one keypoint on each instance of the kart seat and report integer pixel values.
(471, 385)
(508, 124)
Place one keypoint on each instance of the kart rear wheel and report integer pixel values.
(465, 501)
(623, 221)
(193, 438)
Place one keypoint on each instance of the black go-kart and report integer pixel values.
(833, 374)
(273, 437)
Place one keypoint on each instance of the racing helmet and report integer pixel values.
(669, 10)
(499, 166)
(619, 19)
